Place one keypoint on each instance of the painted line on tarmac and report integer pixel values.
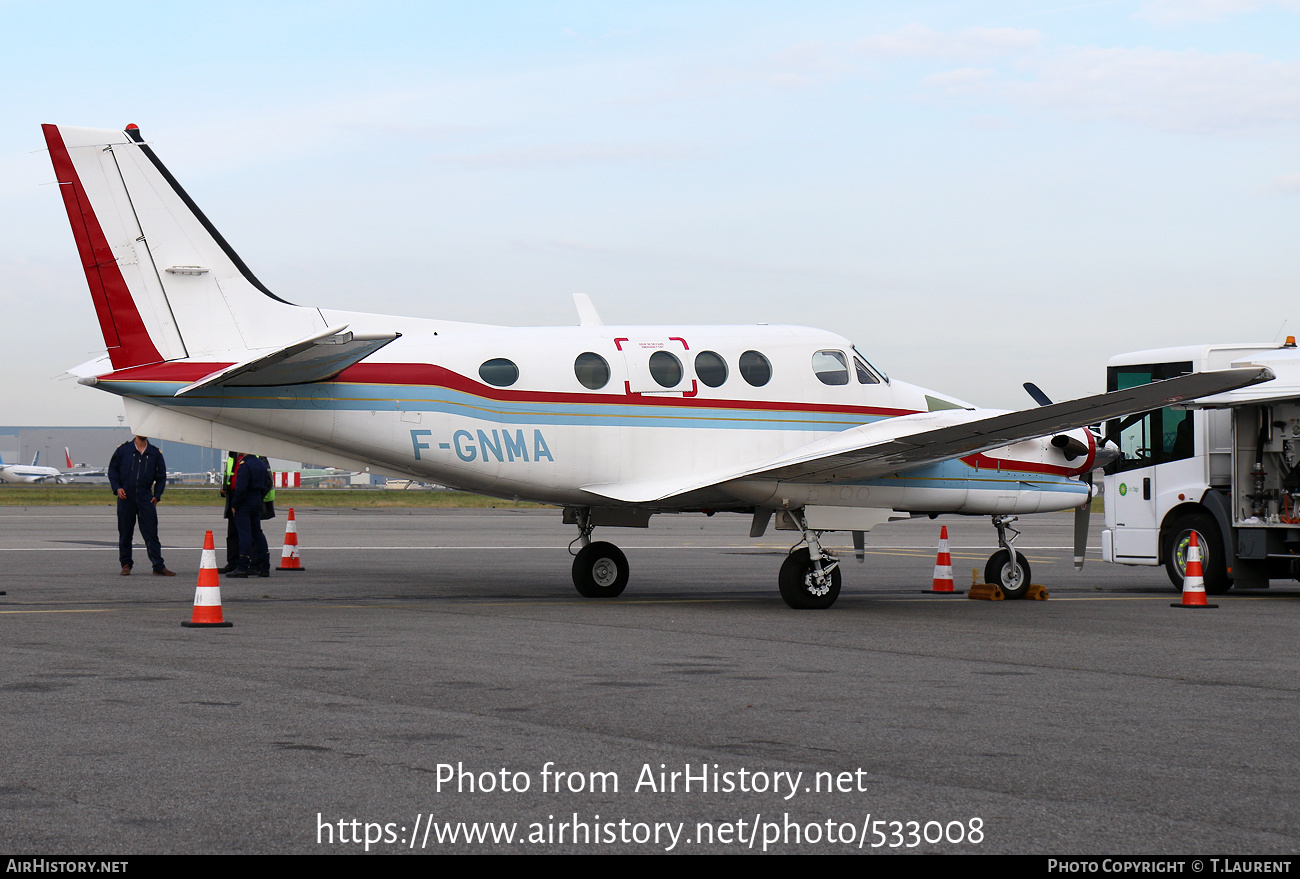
(86, 610)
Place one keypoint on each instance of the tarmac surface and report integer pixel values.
(1100, 721)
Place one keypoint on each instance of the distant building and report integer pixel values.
(93, 447)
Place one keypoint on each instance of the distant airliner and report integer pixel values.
(32, 472)
(612, 423)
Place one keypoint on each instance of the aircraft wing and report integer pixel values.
(910, 441)
(316, 358)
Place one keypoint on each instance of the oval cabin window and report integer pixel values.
(499, 372)
(592, 371)
(665, 369)
(755, 368)
(710, 368)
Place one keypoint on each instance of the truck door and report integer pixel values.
(1146, 442)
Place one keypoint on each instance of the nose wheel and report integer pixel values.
(1008, 568)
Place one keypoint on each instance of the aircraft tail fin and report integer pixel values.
(166, 285)
(67, 456)
(36, 459)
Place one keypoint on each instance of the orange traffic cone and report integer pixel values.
(207, 597)
(943, 568)
(1193, 579)
(289, 560)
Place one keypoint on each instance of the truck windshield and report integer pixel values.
(1149, 438)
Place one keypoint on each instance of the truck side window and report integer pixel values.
(1155, 437)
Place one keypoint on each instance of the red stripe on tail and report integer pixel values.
(124, 332)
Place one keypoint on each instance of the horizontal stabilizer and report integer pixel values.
(317, 358)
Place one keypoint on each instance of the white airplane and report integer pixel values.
(613, 423)
(32, 472)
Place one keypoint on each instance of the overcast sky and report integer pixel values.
(978, 193)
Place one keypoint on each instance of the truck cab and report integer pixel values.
(1224, 468)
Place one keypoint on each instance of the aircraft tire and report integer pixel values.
(999, 571)
(1213, 567)
(600, 570)
(797, 587)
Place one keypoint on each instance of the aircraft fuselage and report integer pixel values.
(538, 413)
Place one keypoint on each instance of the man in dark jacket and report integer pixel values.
(251, 480)
(138, 475)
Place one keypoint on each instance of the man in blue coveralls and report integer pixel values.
(251, 479)
(138, 475)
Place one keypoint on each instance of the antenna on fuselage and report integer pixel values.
(587, 316)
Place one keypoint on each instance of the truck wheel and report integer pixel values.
(1213, 566)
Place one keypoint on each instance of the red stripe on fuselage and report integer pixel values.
(423, 375)
(426, 374)
(124, 332)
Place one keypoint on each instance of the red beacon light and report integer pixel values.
(133, 132)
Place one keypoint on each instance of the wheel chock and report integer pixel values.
(993, 592)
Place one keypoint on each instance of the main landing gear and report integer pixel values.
(1008, 568)
(810, 576)
(599, 568)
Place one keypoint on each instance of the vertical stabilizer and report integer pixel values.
(165, 283)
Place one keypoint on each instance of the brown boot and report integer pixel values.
(126, 570)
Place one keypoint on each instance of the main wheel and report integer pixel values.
(1213, 566)
(1014, 579)
(600, 570)
(797, 585)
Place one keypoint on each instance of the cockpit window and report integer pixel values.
(871, 367)
(831, 367)
(865, 375)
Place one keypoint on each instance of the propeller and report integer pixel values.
(1072, 449)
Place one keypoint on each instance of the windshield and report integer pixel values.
(858, 355)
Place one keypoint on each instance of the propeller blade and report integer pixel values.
(1081, 524)
(1039, 397)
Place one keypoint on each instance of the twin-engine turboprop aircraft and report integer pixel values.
(612, 423)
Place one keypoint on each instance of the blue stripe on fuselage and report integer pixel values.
(406, 398)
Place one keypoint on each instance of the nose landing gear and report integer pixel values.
(1008, 568)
